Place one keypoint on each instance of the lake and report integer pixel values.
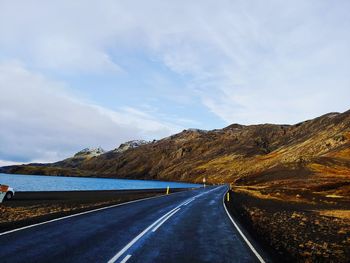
(61, 183)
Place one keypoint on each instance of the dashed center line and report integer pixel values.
(154, 226)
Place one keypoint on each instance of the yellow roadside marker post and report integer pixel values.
(228, 197)
(167, 190)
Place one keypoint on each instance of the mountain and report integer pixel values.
(313, 153)
(89, 153)
(130, 145)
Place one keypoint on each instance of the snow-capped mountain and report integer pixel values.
(130, 145)
(90, 152)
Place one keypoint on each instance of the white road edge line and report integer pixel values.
(132, 242)
(83, 213)
(165, 219)
(241, 233)
(125, 259)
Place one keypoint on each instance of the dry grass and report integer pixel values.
(344, 154)
(342, 214)
(219, 162)
(258, 192)
(325, 171)
(334, 196)
(297, 232)
(12, 214)
(271, 155)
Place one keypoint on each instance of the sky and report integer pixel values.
(86, 73)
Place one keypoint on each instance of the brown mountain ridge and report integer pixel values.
(312, 154)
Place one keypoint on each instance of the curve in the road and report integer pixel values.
(190, 226)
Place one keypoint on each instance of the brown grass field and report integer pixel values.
(295, 226)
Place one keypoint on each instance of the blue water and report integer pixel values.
(60, 183)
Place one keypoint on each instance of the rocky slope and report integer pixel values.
(313, 154)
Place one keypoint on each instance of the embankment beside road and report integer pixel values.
(34, 207)
(295, 231)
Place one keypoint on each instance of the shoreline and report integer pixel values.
(100, 177)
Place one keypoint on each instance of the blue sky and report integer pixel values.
(75, 74)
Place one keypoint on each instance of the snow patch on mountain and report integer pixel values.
(90, 152)
(130, 145)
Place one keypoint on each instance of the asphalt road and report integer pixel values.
(190, 226)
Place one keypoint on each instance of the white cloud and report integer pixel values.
(269, 66)
(40, 120)
(63, 35)
(65, 55)
(246, 61)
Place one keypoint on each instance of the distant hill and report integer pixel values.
(313, 153)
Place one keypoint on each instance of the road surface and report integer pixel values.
(190, 226)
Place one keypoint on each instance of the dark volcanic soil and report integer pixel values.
(296, 231)
(33, 207)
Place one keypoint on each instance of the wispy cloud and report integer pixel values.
(242, 61)
(40, 119)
